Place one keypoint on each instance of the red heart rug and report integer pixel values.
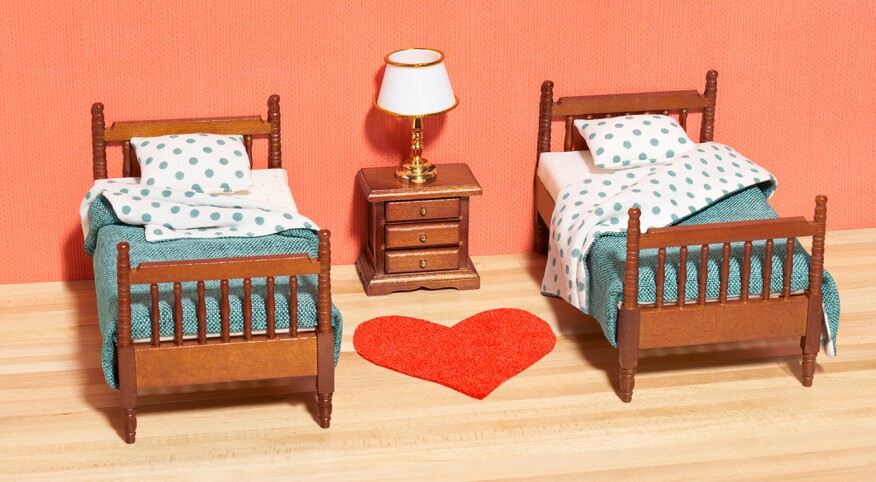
(474, 356)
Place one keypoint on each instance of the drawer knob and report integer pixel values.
(423, 264)
(423, 238)
(422, 211)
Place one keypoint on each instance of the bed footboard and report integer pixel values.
(751, 316)
(244, 356)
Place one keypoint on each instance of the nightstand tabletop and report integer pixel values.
(379, 184)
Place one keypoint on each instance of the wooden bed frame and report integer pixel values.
(662, 325)
(224, 358)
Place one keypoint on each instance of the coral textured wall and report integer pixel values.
(795, 94)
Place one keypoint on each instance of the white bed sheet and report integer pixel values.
(269, 185)
(559, 169)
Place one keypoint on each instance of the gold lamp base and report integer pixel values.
(416, 172)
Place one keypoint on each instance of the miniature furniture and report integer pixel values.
(752, 316)
(416, 236)
(225, 356)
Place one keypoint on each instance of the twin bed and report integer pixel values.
(714, 239)
(200, 305)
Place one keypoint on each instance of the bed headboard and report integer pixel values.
(680, 102)
(122, 132)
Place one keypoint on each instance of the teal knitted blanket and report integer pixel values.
(606, 260)
(106, 231)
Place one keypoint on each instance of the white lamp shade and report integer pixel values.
(415, 84)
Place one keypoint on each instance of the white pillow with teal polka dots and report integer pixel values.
(633, 140)
(208, 163)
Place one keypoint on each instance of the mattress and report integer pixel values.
(559, 169)
(269, 185)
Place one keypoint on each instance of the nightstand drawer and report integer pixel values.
(414, 260)
(415, 235)
(422, 210)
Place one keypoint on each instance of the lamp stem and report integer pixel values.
(417, 169)
(417, 141)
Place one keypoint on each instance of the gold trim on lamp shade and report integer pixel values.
(414, 66)
(381, 109)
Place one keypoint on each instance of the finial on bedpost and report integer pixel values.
(324, 297)
(629, 317)
(814, 323)
(127, 371)
(707, 131)
(545, 113)
(274, 156)
(98, 141)
(631, 272)
(123, 270)
(816, 270)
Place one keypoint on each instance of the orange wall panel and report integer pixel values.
(795, 93)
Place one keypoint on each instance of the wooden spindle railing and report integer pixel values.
(197, 271)
(247, 309)
(704, 274)
(767, 270)
(269, 308)
(725, 233)
(682, 275)
(786, 273)
(156, 315)
(224, 311)
(293, 306)
(177, 314)
(746, 271)
(682, 119)
(661, 275)
(202, 313)
(725, 272)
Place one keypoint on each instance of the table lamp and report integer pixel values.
(415, 85)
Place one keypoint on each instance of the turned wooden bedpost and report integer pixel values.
(127, 375)
(707, 130)
(98, 141)
(545, 114)
(274, 157)
(628, 318)
(325, 337)
(811, 340)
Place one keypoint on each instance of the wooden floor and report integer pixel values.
(724, 411)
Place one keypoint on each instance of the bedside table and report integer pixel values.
(416, 236)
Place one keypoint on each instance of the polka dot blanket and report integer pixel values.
(168, 213)
(665, 193)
